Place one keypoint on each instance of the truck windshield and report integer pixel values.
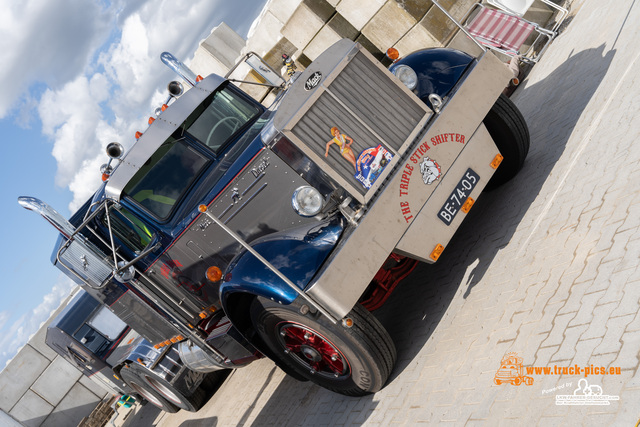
(175, 166)
(219, 118)
(164, 178)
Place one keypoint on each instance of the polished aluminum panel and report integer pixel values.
(256, 203)
(142, 318)
(427, 230)
(351, 266)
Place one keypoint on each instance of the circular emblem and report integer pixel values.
(313, 81)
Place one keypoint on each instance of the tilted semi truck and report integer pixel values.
(231, 231)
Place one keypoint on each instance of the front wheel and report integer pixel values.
(510, 133)
(352, 361)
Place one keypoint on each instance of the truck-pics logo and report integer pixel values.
(511, 371)
(430, 170)
(313, 81)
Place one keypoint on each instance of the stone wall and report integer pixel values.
(303, 29)
(39, 388)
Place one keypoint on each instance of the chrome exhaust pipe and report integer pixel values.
(179, 68)
(48, 213)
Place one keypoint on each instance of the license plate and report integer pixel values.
(458, 196)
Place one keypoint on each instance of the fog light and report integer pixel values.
(214, 274)
(307, 201)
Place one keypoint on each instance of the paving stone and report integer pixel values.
(615, 328)
(556, 336)
(598, 327)
(628, 356)
(567, 349)
(585, 312)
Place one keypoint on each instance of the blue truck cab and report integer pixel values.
(231, 231)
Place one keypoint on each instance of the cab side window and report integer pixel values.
(128, 228)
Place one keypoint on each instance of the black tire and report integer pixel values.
(509, 131)
(352, 361)
(142, 388)
(167, 392)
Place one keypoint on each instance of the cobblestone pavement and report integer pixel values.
(546, 267)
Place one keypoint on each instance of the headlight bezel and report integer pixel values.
(406, 75)
(301, 203)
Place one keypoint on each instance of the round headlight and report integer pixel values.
(307, 201)
(406, 75)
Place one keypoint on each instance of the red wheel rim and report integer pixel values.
(311, 349)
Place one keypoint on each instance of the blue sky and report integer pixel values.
(77, 74)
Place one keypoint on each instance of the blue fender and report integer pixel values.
(297, 253)
(438, 70)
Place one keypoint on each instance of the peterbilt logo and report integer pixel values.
(313, 81)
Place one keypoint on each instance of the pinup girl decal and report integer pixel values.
(340, 140)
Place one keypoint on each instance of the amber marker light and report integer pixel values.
(164, 107)
(202, 208)
(393, 54)
(466, 207)
(435, 254)
(105, 177)
(138, 135)
(151, 120)
(199, 78)
(214, 274)
(496, 161)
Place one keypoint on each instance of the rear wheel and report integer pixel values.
(168, 392)
(146, 391)
(352, 361)
(509, 131)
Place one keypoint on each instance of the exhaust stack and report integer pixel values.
(48, 213)
(181, 69)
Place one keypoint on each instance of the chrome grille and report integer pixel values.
(86, 263)
(366, 105)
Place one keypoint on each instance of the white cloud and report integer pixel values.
(47, 41)
(15, 336)
(114, 96)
